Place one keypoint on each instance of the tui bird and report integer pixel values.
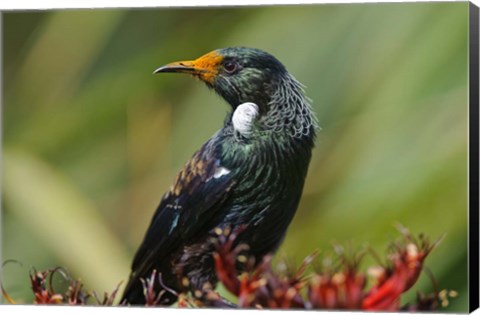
(250, 173)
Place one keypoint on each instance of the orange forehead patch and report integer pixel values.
(208, 66)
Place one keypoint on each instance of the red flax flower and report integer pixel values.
(257, 286)
(41, 283)
(338, 285)
(44, 293)
(342, 287)
(405, 265)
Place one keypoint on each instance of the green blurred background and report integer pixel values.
(91, 139)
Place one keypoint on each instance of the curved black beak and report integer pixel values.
(178, 67)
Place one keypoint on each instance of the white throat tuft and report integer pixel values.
(243, 118)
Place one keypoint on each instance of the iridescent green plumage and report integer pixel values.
(254, 180)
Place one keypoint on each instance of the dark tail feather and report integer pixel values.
(133, 295)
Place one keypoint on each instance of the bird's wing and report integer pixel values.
(199, 190)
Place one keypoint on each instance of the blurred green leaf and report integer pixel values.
(60, 216)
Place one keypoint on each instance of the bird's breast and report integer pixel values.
(270, 177)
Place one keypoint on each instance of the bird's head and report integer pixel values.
(238, 74)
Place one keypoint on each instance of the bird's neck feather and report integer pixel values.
(289, 110)
(288, 121)
(287, 129)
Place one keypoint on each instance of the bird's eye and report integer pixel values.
(230, 66)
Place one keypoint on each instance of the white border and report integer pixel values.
(73, 4)
(7, 5)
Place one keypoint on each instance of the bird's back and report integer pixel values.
(199, 191)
